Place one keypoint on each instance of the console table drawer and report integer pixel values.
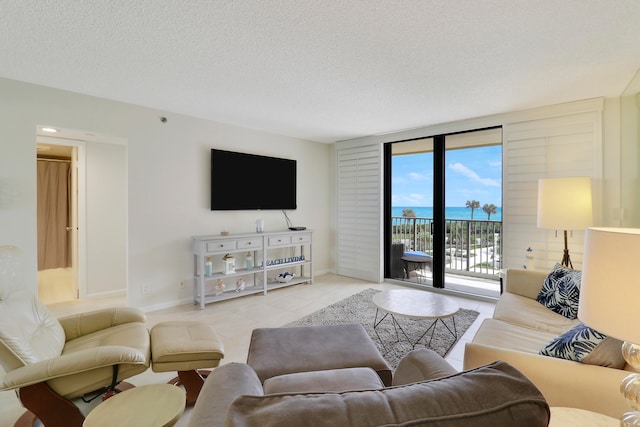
(249, 243)
(221, 245)
(301, 238)
(279, 240)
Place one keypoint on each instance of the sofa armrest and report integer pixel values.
(562, 382)
(420, 365)
(81, 324)
(526, 283)
(222, 386)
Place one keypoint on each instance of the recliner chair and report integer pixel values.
(50, 362)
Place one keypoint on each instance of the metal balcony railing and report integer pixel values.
(473, 247)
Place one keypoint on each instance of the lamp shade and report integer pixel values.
(565, 203)
(610, 287)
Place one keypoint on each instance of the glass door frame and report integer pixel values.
(438, 266)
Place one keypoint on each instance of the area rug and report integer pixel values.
(359, 308)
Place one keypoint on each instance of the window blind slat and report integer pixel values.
(547, 148)
(359, 211)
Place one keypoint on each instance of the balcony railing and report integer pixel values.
(473, 247)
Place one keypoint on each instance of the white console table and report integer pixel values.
(273, 253)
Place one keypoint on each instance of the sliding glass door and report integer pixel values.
(443, 198)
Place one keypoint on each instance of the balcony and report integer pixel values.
(473, 250)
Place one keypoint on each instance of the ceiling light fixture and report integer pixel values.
(51, 130)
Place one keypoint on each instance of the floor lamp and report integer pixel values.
(565, 204)
(609, 295)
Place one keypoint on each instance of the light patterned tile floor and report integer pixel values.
(235, 319)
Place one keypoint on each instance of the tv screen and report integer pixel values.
(241, 181)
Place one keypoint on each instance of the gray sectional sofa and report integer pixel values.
(426, 390)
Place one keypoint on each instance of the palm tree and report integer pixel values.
(473, 204)
(489, 209)
(408, 213)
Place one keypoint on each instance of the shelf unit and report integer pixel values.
(273, 253)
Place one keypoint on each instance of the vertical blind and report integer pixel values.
(564, 146)
(359, 211)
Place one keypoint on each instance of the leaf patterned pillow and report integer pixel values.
(586, 345)
(561, 291)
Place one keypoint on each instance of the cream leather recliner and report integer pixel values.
(50, 361)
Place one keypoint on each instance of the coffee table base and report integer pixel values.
(413, 344)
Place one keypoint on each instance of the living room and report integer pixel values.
(148, 258)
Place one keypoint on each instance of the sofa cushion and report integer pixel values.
(561, 291)
(498, 333)
(586, 345)
(320, 381)
(529, 313)
(495, 394)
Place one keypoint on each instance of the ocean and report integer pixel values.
(459, 212)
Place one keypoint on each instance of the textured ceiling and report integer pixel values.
(325, 70)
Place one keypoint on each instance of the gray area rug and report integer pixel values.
(359, 308)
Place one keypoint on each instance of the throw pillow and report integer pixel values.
(561, 291)
(586, 345)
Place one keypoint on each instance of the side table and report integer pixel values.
(565, 417)
(150, 405)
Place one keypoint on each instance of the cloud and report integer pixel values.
(417, 176)
(472, 175)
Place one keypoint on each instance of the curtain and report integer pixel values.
(54, 241)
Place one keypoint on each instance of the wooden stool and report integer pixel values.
(185, 347)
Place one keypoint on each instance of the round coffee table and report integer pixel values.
(415, 304)
(150, 405)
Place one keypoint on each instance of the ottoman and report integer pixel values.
(186, 347)
(279, 351)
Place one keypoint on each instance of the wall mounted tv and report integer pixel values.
(241, 181)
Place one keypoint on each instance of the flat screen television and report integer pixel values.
(241, 181)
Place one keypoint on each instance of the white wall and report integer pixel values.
(106, 228)
(167, 178)
(630, 157)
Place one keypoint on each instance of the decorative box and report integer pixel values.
(228, 264)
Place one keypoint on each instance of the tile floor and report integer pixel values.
(235, 319)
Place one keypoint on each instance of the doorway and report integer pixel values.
(433, 188)
(60, 163)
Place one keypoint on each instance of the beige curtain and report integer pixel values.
(54, 243)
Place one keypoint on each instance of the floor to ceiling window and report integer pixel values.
(443, 215)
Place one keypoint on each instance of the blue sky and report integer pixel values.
(471, 174)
